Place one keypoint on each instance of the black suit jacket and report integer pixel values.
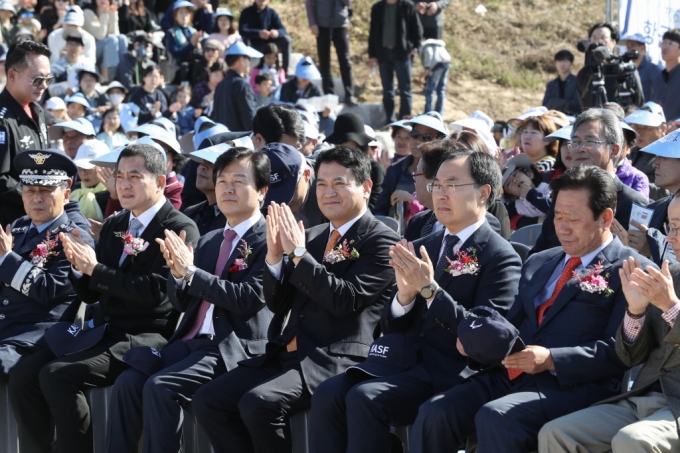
(414, 230)
(625, 197)
(132, 297)
(334, 308)
(579, 329)
(570, 103)
(435, 329)
(240, 318)
(205, 218)
(409, 31)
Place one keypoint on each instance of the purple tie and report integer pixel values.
(225, 251)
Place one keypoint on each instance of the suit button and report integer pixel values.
(106, 318)
(2, 316)
(5, 302)
(422, 334)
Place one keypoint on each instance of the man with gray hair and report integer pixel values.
(596, 139)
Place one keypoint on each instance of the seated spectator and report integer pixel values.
(648, 71)
(224, 30)
(561, 93)
(666, 87)
(111, 132)
(134, 63)
(101, 21)
(73, 20)
(649, 124)
(436, 61)
(563, 160)
(260, 25)
(7, 27)
(277, 123)
(349, 131)
(596, 139)
(64, 67)
(211, 51)
(87, 84)
(73, 133)
(519, 177)
(263, 85)
(401, 137)
(480, 124)
(203, 16)
(180, 112)
(203, 93)
(37, 289)
(645, 418)
(395, 32)
(51, 16)
(311, 139)
(499, 129)
(133, 16)
(27, 20)
(90, 193)
(150, 99)
(78, 106)
(57, 107)
(116, 93)
(181, 40)
(269, 64)
(629, 175)
(568, 364)
(533, 131)
(352, 412)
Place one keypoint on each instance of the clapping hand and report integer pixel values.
(656, 286)
(78, 252)
(6, 240)
(177, 253)
(291, 232)
(414, 272)
(274, 247)
(620, 232)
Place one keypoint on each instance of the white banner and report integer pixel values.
(650, 18)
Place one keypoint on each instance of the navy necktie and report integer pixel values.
(449, 241)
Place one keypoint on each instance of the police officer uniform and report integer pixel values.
(18, 133)
(35, 291)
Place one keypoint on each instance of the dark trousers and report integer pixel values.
(10, 354)
(502, 415)
(284, 44)
(43, 388)
(352, 412)
(432, 33)
(340, 39)
(388, 66)
(246, 410)
(155, 403)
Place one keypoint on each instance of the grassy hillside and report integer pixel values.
(501, 61)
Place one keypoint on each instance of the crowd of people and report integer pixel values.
(237, 256)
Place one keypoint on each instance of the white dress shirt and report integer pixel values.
(399, 310)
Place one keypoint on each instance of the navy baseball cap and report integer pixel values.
(390, 354)
(150, 360)
(488, 337)
(64, 338)
(287, 164)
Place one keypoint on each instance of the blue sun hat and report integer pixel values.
(666, 146)
(306, 69)
(238, 48)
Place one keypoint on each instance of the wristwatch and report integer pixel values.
(191, 270)
(429, 290)
(298, 252)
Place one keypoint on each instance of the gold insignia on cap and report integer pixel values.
(39, 158)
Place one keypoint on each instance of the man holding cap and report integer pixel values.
(35, 289)
(73, 133)
(22, 120)
(569, 307)
(439, 278)
(127, 275)
(234, 104)
(648, 71)
(225, 317)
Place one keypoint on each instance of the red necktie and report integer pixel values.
(567, 274)
(225, 252)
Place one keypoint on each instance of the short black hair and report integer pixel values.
(274, 120)
(483, 168)
(19, 53)
(672, 35)
(598, 183)
(431, 155)
(612, 28)
(260, 161)
(77, 39)
(349, 157)
(232, 59)
(564, 54)
(219, 66)
(154, 161)
(261, 77)
(149, 69)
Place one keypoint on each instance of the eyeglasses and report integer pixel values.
(426, 137)
(210, 49)
(448, 189)
(587, 144)
(671, 230)
(415, 175)
(668, 44)
(36, 82)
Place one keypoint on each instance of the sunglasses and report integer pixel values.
(210, 49)
(36, 82)
(426, 137)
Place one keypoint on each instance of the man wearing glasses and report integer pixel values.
(22, 120)
(596, 139)
(666, 87)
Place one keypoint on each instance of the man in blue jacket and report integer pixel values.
(259, 25)
(561, 93)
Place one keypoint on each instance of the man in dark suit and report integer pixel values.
(127, 275)
(596, 139)
(225, 317)
(646, 418)
(567, 318)
(35, 290)
(353, 412)
(207, 214)
(561, 93)
(330, 291)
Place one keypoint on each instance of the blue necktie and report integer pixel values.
(135, 226)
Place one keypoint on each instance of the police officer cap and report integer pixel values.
(44, 168)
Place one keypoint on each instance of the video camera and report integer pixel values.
(605, 65)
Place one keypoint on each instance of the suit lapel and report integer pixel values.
(251, 235)
(317, 245)
(352, 236)
(38, 238)
(541, 276)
